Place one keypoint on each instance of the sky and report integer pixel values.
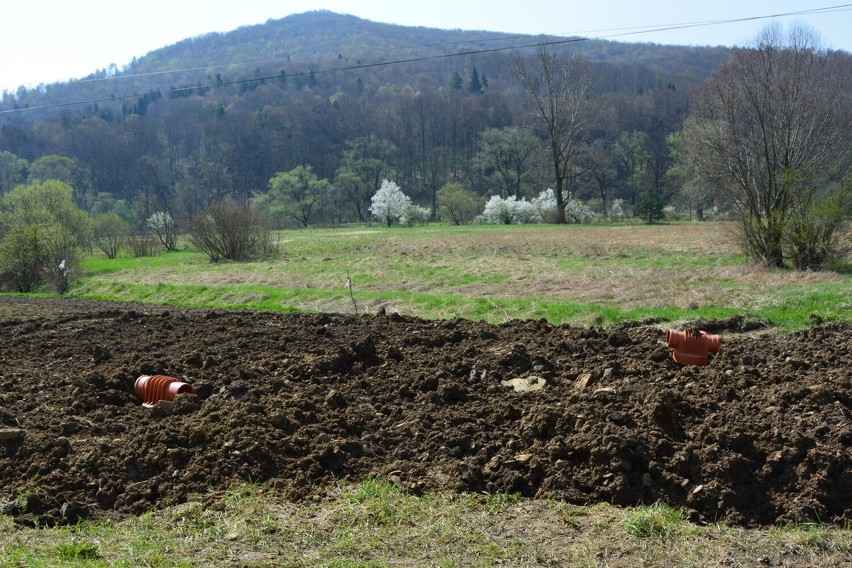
(44, 41)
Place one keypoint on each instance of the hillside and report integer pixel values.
(219, 115)
(326, 42)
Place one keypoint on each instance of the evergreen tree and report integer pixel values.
(474, 85)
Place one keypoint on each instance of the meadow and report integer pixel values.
(579, 275)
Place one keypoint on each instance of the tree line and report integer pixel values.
(315, 149)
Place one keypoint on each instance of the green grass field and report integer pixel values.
(585, 275)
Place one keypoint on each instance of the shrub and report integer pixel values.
(163, 226)
(499, 210)
(232, 231)
(578, 212)
(143, 245)
(457, 204)
(616, 210)
(545, 205)
(109, 232)
(41, 229)
(650, 206)
(817, 237)
(415, 215)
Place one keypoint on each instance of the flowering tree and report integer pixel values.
(389, 202)
(545, 204)
(499, 210)
(509, 210)
(541, 208)
(163, 225)
(578, 212)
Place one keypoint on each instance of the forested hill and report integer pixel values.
(324, 42)
(351, 102)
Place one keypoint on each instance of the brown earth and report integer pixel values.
(760, 435)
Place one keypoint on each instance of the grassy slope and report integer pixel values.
(578, 275)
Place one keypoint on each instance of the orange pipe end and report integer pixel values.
(151, 389)
(691, 349)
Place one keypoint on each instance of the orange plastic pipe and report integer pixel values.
(692, 349)
(154, 388)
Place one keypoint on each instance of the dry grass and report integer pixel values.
(376, 524)
(679, 266)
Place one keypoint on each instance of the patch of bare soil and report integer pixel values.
(762, 434)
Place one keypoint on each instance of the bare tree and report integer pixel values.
(231, 230)
(560, 89)
(770, 132)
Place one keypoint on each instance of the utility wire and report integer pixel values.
(632, 32)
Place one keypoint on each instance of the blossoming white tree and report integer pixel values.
(499, 210)
(163, 225)
(541, 208)
(389, 202)
(545, 204)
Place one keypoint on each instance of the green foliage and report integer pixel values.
(379, 500)
(143, 245)
(77, 550)
(817, 236)
(654, 521)
(41, 234)
(178, 143)
(53, 166)
(650, 206)
(365, 166)
(474, 85)
(415, 215)
(693, 193)
(22, 256)
(298, 195)
(746, 140)
(510, 156)
(457, 204)
(472, 271)
(362, 526)
(109, 233)
(456, 81)
(12, 171)
(632, 158)
(500, 502)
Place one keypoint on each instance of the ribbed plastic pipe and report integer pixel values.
(151, 389)
(692, 349)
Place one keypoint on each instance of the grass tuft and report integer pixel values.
(658, 520)
(77, 550)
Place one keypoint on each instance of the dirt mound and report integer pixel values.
(762, 434)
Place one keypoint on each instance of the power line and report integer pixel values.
(632, 32)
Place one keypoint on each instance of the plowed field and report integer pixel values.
(760, 435)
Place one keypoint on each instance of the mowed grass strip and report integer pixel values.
(566, 274)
